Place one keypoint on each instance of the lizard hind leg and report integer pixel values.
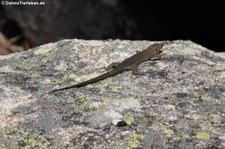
(135, 71)
(112, 66)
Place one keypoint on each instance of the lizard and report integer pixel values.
(129, 64)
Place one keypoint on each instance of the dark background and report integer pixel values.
(116, 19)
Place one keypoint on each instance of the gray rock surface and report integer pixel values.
(177, 102)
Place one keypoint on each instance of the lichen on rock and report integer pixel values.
(177, 102)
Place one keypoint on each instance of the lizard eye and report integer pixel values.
(158, 50)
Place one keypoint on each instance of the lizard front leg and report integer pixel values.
(134, 69)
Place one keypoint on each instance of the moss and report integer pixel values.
(42, 51)
(169, 132)
(202, 135)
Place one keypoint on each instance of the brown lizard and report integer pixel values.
(129, 64)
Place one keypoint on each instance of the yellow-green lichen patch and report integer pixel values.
(35, 75)
(62, 67)
(14, 138)
(216, 120)
(166, 123)
(25, 64)
(107, 81)
(205, 98)
(62, 70)
(47, 97)
(101, 108)
(168, 132)
(85, 102)
(176, 138)
(129, 118)
(42, 51)
(133, 143)
(60, 81)
(103, 99)
(154, 115)
(202, 135)
(134, 140)
(86, 106)
(83, 97)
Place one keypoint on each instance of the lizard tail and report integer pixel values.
(101, 77)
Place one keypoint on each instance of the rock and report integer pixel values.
(177, 102)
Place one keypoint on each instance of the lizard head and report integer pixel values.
(155, 49)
